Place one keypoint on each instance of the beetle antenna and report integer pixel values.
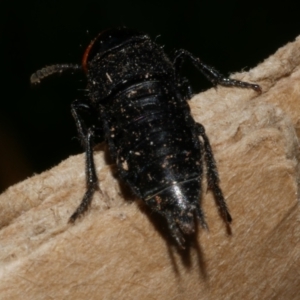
(47, 71)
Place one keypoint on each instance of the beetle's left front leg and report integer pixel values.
(87, 137)
(80, 108)
(91, 176)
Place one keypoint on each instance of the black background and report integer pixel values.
(36, 128)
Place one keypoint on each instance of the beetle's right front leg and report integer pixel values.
(209, 72)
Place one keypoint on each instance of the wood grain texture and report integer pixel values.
(119, 250)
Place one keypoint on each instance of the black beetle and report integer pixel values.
(137, 101)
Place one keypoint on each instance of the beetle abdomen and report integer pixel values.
(153, 143)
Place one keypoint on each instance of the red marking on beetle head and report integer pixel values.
(108, 39)
(86, 54)
(87, 51)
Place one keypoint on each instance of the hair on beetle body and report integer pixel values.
(139, 103)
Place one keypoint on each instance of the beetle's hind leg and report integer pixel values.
(212, 174)
(174, 230)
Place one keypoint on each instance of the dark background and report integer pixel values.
(36, 128)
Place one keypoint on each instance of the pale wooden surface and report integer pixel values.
(116, 250)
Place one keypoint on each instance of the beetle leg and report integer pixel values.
(174, 230)
(91, 176)
(212, 174)
(124, 175)
(185, 88)
(77, 107)
(87, 137)
(200, 216)
(209, 72)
